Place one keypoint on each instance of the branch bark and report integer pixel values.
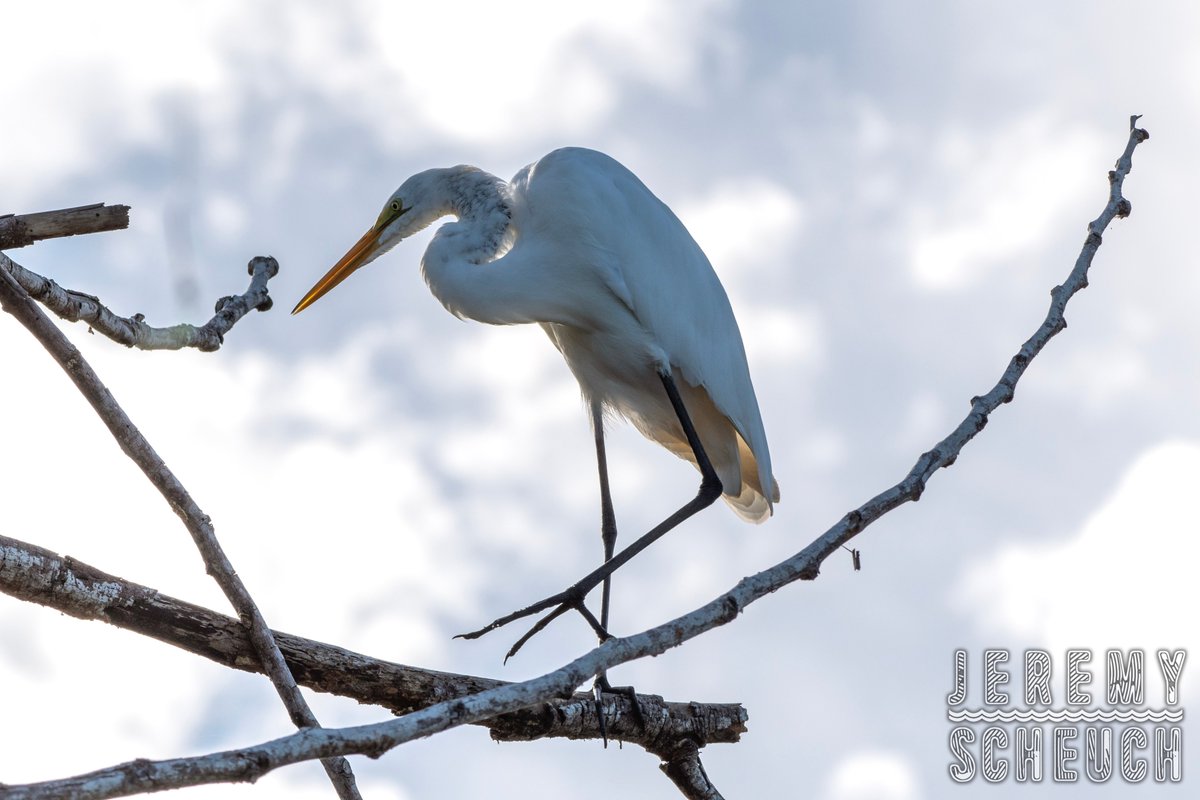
(19, 230)
(682, 765)
(133, 331)
(36, 575)
(17, 302)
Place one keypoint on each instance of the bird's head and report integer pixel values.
(411, 208)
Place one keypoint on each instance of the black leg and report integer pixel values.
(608, 536)
(608, 520)
(710, 490)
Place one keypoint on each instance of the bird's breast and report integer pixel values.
(616, 365)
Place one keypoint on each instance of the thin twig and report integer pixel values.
(37, 575)
(17, 302)
(19, 230)
(133, 331)
(374, 740)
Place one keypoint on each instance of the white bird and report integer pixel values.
(576, 243)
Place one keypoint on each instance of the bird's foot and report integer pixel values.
(601, 686)
(571, 599)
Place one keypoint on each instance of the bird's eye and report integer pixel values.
(391, 211)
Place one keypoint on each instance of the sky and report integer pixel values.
(888, 194)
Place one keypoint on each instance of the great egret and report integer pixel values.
(576, 243)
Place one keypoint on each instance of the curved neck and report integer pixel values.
(453, 262)
(480, 201)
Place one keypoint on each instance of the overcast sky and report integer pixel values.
(888, 192)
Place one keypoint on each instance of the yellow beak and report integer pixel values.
(353, 259)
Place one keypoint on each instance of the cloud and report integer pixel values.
(872, 775)
(78, 109)
(1126, 578)
(997, 198)
(558, 66)
(743, 221)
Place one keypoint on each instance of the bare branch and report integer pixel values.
(133, 331)
(683, 767)
(374, 740)
(17, 302)
(19, 230)
(36, 575)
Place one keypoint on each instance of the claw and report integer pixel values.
(537, 628)
(559, 599)
(597, 699)
(601, 685)
(570, 599)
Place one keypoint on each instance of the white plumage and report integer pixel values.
(576, 243)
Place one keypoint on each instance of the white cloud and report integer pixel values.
(779, 338)
(79, 100)
(477, 71)
(1125, 579)
(146, 695)
(1006, 194)
(557, 66)
(744, 222)
(872, 775)
(1117, 367)
(1098, 378)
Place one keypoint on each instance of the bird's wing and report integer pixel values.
(651, 263)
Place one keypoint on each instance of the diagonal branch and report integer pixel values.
(682, 765)
(133, 331)
(36, 575)
(374, 740)
(17, 302)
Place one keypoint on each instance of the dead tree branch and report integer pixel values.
(133, 331)
(682, 765)
(17, 302)
(36, 575)
(19, 230)
(373, 740)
